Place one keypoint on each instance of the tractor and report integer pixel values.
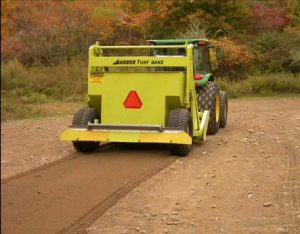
(164, 92)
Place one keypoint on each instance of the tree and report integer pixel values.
(226, 16)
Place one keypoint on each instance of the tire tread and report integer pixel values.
(206, 101)
(223, 109)
(180, 118)
(81, 118)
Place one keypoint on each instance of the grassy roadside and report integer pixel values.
(266, 85)
(54, 91)
(18, 110)
(37, 92)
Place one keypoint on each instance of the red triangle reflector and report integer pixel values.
(133, 101)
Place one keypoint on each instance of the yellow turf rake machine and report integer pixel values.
(166, 95)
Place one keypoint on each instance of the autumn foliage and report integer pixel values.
(49, 33)
(44, 43)
(267, 18)
(236, 59)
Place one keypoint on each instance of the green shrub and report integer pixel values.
(36, 84)
(277, 51)
(34, 98)
(26, 90)
(266, 84)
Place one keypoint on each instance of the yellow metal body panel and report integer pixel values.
(115, 87)
(179, 137)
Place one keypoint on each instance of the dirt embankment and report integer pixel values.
(245, 179)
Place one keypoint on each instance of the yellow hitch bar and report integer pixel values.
(204, 125)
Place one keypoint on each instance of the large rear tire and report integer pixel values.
(209, 99)
(223, 109)
(81, 118)
(180, 118)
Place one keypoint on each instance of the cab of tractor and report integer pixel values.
(202, 53)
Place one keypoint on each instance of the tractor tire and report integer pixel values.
(209, 99)
(81, 118)
(223, 109)
(180, 118)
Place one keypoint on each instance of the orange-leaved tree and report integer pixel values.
(236, 59)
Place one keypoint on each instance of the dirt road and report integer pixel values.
(245, 179)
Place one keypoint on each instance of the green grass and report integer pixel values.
(265, 85)
(38, 91)
(38, 84)
(12, 110)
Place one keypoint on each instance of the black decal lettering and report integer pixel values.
(157, 62)
(116, 62)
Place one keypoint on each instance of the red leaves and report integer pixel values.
(269, 18)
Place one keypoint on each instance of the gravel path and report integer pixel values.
(245, 179)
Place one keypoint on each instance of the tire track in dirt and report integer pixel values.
(68, 195)
(85, 221)
(34, 170)
(289, 195)
(44, 167)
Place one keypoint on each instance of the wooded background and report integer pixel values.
(263, 32)
(44, 44)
